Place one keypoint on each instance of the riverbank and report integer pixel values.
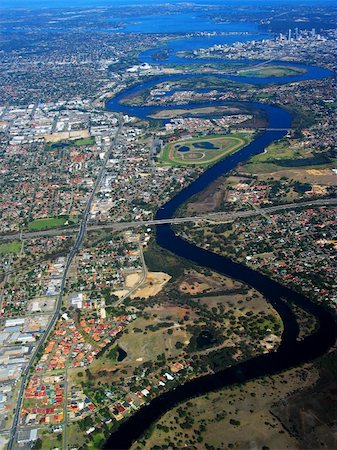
(291, 352)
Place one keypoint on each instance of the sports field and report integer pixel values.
(202, 151)
(12, 247)
(47, 223)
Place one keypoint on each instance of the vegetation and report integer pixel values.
(84, 141)
(203, 150)
(272, 71)
(156, 258)
(11, 247)
(48, 223)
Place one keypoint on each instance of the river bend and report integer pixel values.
(291, 352)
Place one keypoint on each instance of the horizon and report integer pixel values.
(64, 4)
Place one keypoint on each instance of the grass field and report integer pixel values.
(272, 71)
(47, 224)
(202, 151)
(281, 150)
(84, 141)
(279, 156)
(11, 247)
(70, 143)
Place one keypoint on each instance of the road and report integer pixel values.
(7, 273)
(140, 282)
(121, 226)
(79, 239)
(118, 226)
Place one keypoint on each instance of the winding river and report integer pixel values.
(290, 352)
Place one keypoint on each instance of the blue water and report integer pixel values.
(181, 23)
(291, 352)
(9, 4)
(194, 43)
(143, 112)
(183, 149)
(205, 145)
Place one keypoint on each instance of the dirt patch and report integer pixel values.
(194, 283)
(132, 279)
(325, 177)
(63, 135)
(121, 293)
(154, 283)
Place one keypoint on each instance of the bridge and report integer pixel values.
(208, 217)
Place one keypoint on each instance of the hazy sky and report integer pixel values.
(84, 3)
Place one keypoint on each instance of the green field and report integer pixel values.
(84, 141)
(278, 156)
(11, 247)
(65, 144)
(202, 151)
(47, 224)
(272, 71)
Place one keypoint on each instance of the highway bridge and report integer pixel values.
(216, 217)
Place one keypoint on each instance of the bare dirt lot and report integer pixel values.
(154, 283)
(313, 176)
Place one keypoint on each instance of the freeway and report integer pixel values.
(118, 226)
(78, 242)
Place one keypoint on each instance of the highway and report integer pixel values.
(79, 239)
(118, 226)
(81, 231)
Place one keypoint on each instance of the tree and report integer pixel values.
(38, 444)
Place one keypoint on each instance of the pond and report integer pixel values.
(183, 148)
(205, 145)
(60, 145)
(121, 354)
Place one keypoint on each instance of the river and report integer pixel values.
(290, 352)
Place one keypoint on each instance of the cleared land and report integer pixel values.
(202, 151)
(153, 284)
(272, 71)
(288, 154)
(64, 135)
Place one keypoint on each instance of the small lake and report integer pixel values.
(183, 149)
(205, 145)
(121, 354)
